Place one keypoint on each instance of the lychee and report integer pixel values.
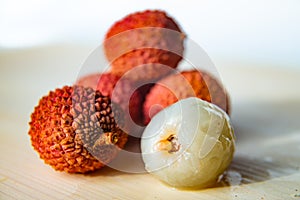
(172, 88)
(77, 129)
(121, 91)
(148, 42)
(189, 144)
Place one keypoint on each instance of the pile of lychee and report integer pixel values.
(180, 116)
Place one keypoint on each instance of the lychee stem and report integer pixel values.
(114, 138)
(107, 139)
(170, 144)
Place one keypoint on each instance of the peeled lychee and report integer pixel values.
(121, 91)
(188, 144)
(77, 129)
(182, 85)
(149, 42)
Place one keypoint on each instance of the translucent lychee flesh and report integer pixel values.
(188, 144)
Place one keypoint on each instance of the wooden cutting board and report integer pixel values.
(266, 113)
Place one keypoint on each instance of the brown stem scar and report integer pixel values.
(171, 144)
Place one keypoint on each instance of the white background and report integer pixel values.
(251, 31)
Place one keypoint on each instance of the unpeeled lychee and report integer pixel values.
(76, 129)
(178, 86)
(122, 91)
(149, 42)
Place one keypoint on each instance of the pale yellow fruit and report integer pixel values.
(188, 144)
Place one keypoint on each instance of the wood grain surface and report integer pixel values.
(265, 115)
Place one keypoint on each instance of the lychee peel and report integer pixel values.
(121, 91)
(144, 41)
(76, 129)
(194, 83)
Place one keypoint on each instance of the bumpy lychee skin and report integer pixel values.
(122, 91)
(150, 37)
(76, 129)
(178, 86)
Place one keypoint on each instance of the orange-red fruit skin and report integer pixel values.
(154, 47)
(147, 18)
(121, 91)
(56, 130)
(183, 85)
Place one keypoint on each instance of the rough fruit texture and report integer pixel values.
(182, 85)
(122, 91)
(188, 144)
(149, 42)
(76, 129)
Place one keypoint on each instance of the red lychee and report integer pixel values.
(121, 91)
(76, 129)
(149, 42)
(182, 85)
